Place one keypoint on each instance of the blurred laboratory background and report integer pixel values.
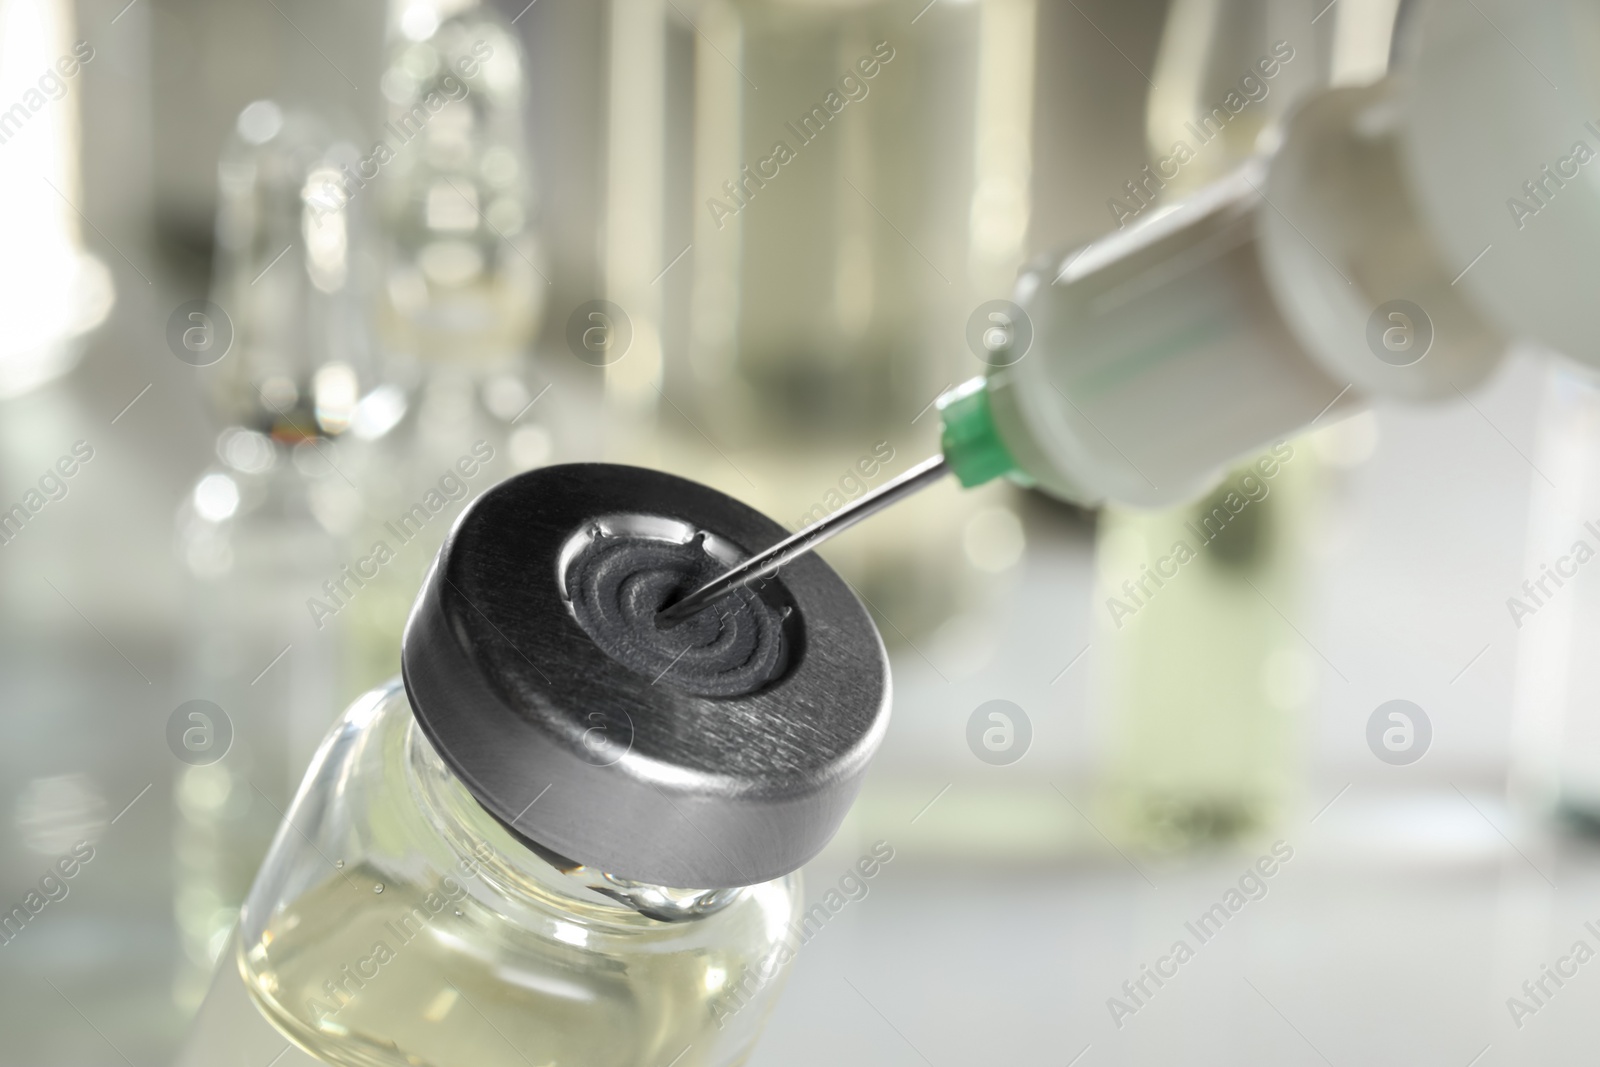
(284, 284)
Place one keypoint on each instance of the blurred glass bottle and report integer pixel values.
(282, 345)
(304, 359)
(1202, 674)
(52, 292)
(462, 289)
(804, 207)
(463, 277)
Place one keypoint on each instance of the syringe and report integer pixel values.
(1370, 251)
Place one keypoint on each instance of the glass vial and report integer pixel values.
(464, 278)
(418, 904)
(395, 922)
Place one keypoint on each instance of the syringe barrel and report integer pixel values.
(1159, 353)
(1211, 328)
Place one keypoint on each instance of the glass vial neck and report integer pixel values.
(509, 865)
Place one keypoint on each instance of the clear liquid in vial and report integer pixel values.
(445, 994)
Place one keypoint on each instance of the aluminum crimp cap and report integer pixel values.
(722, 751)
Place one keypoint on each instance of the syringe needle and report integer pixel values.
(764, 563)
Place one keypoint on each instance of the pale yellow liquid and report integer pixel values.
(466, 990)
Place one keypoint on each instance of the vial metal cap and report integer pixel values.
(536, 668)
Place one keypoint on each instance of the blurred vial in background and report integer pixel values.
(52, 292)
(302, 358)
(283, 345)
(460, 301)
(463, 275)
(805, 203)
(1203, 680)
